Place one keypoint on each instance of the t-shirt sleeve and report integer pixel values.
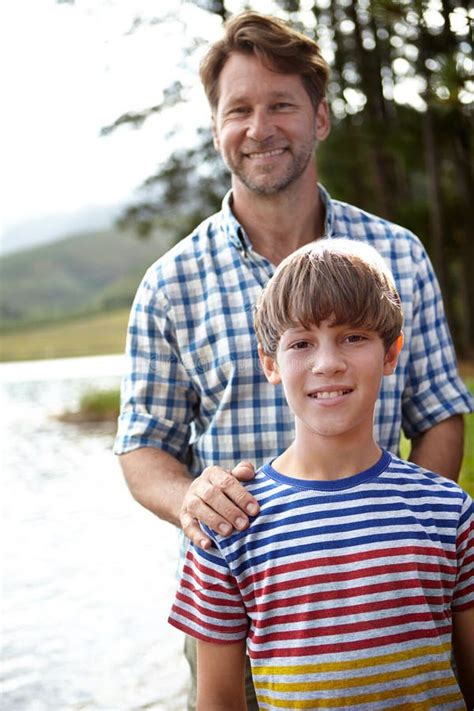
(208, 604)
(434, 391)
(463, 594)
(157, 398)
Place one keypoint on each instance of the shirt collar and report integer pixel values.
(236, 234)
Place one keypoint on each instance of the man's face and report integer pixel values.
(265, 125)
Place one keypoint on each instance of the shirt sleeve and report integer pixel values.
(463, 594)
(157, 398)
(208, 604)
(434, 391)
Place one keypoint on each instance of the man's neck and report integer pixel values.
(279, 224)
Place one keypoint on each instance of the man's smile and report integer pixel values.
(265, 154)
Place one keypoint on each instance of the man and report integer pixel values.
(194, 395)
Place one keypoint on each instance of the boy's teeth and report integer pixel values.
(328, 394)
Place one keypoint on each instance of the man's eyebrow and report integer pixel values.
(274, 95)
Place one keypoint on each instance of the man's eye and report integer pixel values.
(239, 110)
(282, 105)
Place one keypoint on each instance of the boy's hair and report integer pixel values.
(339, 279)
(276, 44)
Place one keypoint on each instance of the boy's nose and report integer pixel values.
(327, 361)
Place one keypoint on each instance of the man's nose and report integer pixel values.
(260, 126)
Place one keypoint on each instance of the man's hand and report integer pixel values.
(217, 499)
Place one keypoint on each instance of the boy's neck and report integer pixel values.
(327, 460)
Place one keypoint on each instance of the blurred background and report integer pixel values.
(107, 161)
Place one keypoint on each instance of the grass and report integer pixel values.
(95, 406)
(97, 334)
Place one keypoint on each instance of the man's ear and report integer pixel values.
(323, 121)
(215, 137)
(270, 367)
(391, 356)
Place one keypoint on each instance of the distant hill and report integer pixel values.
(86, 273)
(38, 231)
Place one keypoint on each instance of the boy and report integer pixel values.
(355, 581)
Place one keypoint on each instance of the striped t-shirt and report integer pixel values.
(343, 589)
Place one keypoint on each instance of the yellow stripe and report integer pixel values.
(351, 683)
(365, 698)
(428, 705)
(324, 667)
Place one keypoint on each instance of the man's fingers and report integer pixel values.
(210, 505)
(194, 532)
(233, 490)
(219, 501)
(244, 471)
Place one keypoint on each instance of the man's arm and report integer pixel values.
(440, 449)
(463, 648)
(160, 483)
(221, 677)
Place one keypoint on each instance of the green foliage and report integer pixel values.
(412, 165)
(81, 274)
(467, 474)
(98, 405)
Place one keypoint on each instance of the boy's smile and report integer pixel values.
(331, 375)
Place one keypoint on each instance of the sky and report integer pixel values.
(67, 71)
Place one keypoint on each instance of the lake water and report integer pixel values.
(87, 575)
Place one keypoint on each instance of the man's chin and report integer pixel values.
(264, 186)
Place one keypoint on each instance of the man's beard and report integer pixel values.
(267, 184)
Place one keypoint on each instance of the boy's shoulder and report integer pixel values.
(419, 483)
(397, 473)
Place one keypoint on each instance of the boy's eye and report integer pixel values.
(355, 338)
(299, 345)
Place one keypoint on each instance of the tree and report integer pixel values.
(412, 158)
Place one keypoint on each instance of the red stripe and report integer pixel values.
(196, 590)
(192, 602)
(323, 613)
(328, 562)
(356, 645)
(235, 629)
(192, 633)
(327, 595)
(346, 628)
(205, 570)
(282, 585)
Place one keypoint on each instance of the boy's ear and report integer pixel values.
(270, 367)
(391, 356)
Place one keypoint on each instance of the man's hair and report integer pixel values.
(338, 279)
(276, 44)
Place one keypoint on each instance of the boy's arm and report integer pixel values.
(463, 648)
(221, 677)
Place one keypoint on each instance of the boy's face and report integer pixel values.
(331, 376)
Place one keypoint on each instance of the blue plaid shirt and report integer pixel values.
(194, 387)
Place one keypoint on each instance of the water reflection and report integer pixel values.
(87, 575)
